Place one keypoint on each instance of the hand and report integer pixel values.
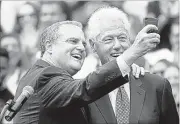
(137, 71)
(144, 42)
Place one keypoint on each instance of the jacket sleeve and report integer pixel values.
(169, 114)
(63, 91)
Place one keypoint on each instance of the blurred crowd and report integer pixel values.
(22, 24)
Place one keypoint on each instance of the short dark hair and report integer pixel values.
(4, 53)
(50, 34)
(13, 35)
(62, 5)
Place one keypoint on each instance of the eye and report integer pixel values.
(84, 44)
(72, 41)
(122, 38)
(107, 39)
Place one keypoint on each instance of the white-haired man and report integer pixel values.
(147, 100)
(58, 98)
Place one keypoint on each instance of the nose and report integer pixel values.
(46, 17)
(27, 18)
(10, 48)
(117, 44)
(80, 47)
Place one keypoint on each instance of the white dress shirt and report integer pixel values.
(125, 69)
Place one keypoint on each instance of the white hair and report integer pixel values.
(103, 15)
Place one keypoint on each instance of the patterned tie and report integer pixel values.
(122, 106)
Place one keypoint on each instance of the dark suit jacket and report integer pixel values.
(60, 99)
(151, 102)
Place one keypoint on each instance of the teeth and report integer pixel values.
(115, 55)
(77, 56)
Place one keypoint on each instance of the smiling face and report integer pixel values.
(68, 51)
(108, 33)
(111, 42)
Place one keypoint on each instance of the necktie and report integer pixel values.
(122, 106)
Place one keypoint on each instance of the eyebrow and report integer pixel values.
(73, 38)
(110, 35)
(78, 39)
(123, 34)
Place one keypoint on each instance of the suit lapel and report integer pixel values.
(105, 108)
(137, 99)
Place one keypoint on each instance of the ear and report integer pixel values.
(49, 47)
(92, 45)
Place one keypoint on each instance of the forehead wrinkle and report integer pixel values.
(114, 32)
(106, 23)
(64, 29)
(111, 26)
(107, 13)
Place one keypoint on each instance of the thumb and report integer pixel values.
(149, 27)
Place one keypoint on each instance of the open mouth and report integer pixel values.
(77, 56)
(115, 54)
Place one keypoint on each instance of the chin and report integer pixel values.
(74, 71)
(77, 67)
(111, 59)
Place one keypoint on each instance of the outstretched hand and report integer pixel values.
(144, 42)
(137, 70)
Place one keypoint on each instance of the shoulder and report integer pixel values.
(52, 73)
(40, 76)
(42, 68)
(52, 70)
(156, 81)
(153, 77)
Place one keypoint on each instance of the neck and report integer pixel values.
(29, 28)
(46, 57)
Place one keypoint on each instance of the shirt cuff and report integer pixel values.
(124, 68)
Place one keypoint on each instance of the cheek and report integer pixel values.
(34, 20)
(105, 49)
(104, 52)
(125, 45)
(58, 52)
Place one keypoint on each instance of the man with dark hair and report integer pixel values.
(5, 95)
(52, 12)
